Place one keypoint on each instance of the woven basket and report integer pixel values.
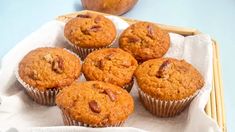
(215, 106)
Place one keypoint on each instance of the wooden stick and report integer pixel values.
(213, 103)
(208, 108)
(213, 98)
(217, 88)
(223, 116)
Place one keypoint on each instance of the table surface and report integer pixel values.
(18, 18)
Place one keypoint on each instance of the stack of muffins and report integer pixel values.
(50, 75)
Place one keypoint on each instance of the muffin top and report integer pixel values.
(145, 41)
(46, 68)
(168, 79)
(95, 102)
(111, 65)
(90, 31)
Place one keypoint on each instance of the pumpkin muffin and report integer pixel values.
(94, 104)
(111, 65)
(88, 32)
(145, 41)
(44, 71)
(169, 82)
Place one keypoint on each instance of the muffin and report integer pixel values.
(145, 41)
(88, 32)
(44, 71)
(111, 65)
(167, 85)
(94, 104)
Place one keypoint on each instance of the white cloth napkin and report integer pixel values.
(19, 112)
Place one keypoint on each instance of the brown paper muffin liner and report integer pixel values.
(41, 97)
(83, 52)
(163, 108)
(68, 121)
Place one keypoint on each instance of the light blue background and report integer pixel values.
(18, 18)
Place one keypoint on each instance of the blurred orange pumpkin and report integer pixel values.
(115, 7)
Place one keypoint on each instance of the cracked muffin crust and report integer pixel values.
(145, 41)
(48, 68)
(111, 65)
(90, 31)
(168, 79)
(95, 103)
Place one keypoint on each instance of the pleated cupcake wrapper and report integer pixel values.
(41, 97)
(83, 52)
(129, 86)
(71, 122)
(163, 108)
